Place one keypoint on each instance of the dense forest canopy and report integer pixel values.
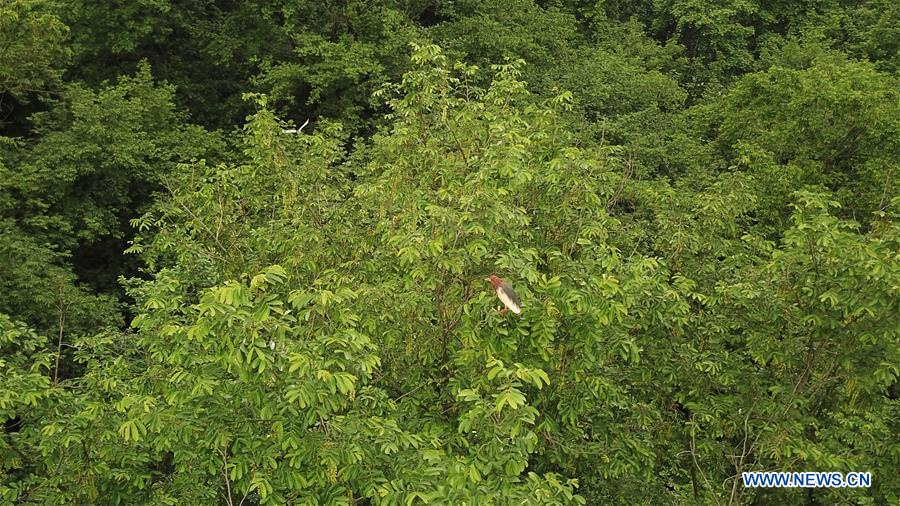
(243, 251)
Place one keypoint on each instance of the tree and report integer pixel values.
(96, 160)
(32, 56)
(702, 232)
(831, 122)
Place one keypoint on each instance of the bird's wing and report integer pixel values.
(509, 298)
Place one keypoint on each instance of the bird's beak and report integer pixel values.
(487, 279)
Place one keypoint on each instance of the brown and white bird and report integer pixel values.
(506, 294)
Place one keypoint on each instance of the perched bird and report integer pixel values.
(506, 294)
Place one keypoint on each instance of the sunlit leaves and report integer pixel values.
(316, 326)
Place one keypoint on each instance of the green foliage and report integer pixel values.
(488, 32)
(32, 52)
(39, 288)
(696, 204)
(299, 339)
(833, 123)
(341, 58)
(865, 30)
(100, 154)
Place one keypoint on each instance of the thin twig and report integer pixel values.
(225, 474)
(61, 319)
(697, 465)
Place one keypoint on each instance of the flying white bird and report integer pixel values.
(294, 130)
